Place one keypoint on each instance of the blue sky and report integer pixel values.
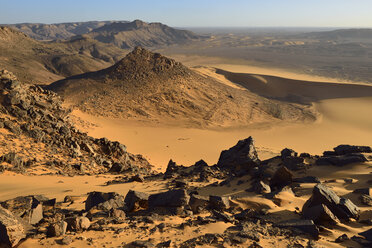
(204, 13)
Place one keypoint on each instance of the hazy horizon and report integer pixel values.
(192, 13)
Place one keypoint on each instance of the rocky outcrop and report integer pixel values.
(240, 158)
(345, 154)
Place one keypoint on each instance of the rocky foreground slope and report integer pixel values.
(273, 207)
(36, 132)
(147, 86)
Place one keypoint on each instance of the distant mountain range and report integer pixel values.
(139, 33)
(75, 48)
(40, 31)
(122, 34)
(44, 62)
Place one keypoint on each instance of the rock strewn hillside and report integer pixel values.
(36, 134)
(148, 86)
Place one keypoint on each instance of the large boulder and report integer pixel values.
(281, 178)
(170, 199)
(239, 158)
(342, 208)
(104, 201)
(135, 200)
(11, 231)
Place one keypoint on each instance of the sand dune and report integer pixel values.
(295, 90)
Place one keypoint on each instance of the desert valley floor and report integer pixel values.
(337, 123)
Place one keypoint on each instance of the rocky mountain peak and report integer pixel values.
(144, 63)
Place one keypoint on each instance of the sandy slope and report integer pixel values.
(340, 124)
(343, 120)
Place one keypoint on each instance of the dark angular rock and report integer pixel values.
(366, 200)
(172, 169)
(288, 153)
(104, 201)
(26, 207)
(77, 224)
(282, 177)
(222, 216)
(142, 244)
(307, 179)
(306, 226)
(239, 158)
(172, 198)
(347, 149)
(342, 238)
(57, 229)
(11, 231)
(294, 163)
(219, 202)
(321, 215)
(138, 178)
(367, 234)
(164, 244)
(305, 155)
(342, 160)
(198, 203)
(261, 188)
(117, 168)
(135, 200)
(364, 191)
(340, 207)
